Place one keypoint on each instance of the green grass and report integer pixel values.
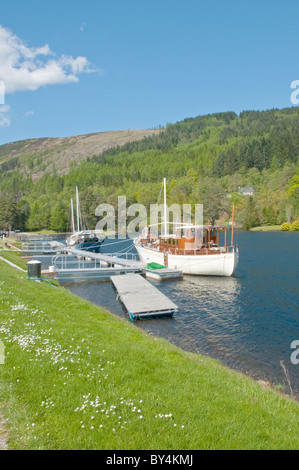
(78, 377)
(267, 228)
(42, 232)
(14, 258)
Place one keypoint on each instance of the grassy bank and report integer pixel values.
(77, 377)
(266, 228)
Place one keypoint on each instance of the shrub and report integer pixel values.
(286, 227)
(295, 225)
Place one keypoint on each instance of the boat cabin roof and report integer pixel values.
(192, 227)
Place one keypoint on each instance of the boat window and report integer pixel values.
(199, 233)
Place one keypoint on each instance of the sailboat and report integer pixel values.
(193, 249)
(88, 240)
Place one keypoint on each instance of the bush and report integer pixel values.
(286, 227)
(295, 225)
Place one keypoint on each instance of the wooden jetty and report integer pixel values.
(141, 299)
(109, 259)
(107, 265)
(44, 248)
(83, 275)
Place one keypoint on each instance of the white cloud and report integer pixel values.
(4, 118)
(29, 113)
(29, 68)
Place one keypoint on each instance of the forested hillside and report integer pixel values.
(207, 159)
(37, 157)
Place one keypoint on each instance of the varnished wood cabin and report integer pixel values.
(189, 240)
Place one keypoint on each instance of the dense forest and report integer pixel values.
(209, 159)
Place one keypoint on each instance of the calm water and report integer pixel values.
(247, 321)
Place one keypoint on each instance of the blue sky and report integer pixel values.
(77, 67)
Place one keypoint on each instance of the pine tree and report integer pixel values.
(251, 216)
(8, 213)
(58, 221)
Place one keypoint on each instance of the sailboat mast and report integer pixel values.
(78, 211)
(72, 211)
(165, 208)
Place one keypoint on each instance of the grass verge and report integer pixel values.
(78, 377)
(267, 228)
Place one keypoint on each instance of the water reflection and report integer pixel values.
(208, 318)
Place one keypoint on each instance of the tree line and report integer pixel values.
(206, 160)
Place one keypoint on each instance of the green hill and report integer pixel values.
(207, 159)
(37, 157)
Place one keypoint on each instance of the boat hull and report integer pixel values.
(93, 247)
(222, 264)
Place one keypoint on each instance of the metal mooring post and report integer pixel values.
(34, 270)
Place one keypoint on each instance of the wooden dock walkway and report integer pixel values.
(109, 259)
(84, 275)
(141, 299)
(108, 265)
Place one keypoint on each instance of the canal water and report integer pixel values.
(247, 321)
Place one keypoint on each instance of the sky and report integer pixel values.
(73, 67)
